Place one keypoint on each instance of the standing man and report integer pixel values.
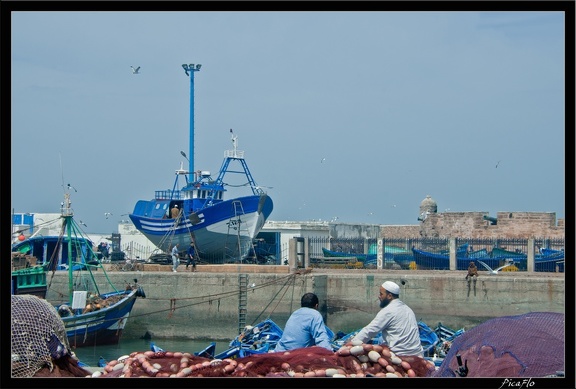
(175, 211)
(175, 257)
(305, 327)
(191, 254)
(397, 323)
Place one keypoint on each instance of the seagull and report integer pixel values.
(490, 271)
(107, 214)
(322, 160)
(497, 163)
(84, 224)
(135, 71)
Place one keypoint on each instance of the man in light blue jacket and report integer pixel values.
(305, 327)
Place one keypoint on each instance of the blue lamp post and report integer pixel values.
(190, 69)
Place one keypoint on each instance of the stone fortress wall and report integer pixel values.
(477, 225)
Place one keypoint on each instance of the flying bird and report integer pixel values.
(107, 214)
(491, 271)
(135, 71)
(322, 160)
(497, 163)
(84, 224)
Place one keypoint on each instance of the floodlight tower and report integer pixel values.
(190, 69)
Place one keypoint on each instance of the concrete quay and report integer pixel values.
(209, 303)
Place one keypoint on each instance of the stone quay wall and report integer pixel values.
(206, 304)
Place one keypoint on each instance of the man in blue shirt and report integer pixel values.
(305, 327)
(191, 254)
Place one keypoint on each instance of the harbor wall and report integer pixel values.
(206, 304)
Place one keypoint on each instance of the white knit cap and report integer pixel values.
(391, 287)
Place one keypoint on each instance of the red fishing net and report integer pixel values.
(363, 360)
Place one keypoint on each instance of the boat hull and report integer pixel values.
(221, 234)
(433, 261)
(102, 327)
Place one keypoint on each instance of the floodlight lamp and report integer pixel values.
(198, 66)
(185, 66)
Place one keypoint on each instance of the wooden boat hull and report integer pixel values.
(392, 254)
(102, 327)
(433, 261)
(218, 231)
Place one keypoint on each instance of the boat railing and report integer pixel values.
(234, 154)
(167, 195)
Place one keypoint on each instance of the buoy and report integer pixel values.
(21, 237)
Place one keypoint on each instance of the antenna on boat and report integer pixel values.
(190, 69)
(234, 143)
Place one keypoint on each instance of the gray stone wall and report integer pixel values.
(473, 225)
(205, 305)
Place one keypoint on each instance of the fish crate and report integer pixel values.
(22, 261)
(30, 277)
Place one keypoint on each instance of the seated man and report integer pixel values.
(305, 327)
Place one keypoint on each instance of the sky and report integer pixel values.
(353, 117)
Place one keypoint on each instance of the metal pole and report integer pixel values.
(190, 69)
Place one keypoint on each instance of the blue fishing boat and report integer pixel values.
(257, 339)
(44, 247)
(441, 260)
(90, 317)
(428, 338)
(400, 256)
(262, 338)
(222, 229)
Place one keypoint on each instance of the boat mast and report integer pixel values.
(67, 214)
(190, 69)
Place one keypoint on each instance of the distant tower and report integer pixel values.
(427, 206)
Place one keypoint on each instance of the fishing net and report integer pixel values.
(366, 360)
(528, 345)
(39, 343)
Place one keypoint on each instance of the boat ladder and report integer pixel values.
(236, 227)
(242, 301)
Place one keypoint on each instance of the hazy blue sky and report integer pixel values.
(399, 105)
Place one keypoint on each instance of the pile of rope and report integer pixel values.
(359, 360)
